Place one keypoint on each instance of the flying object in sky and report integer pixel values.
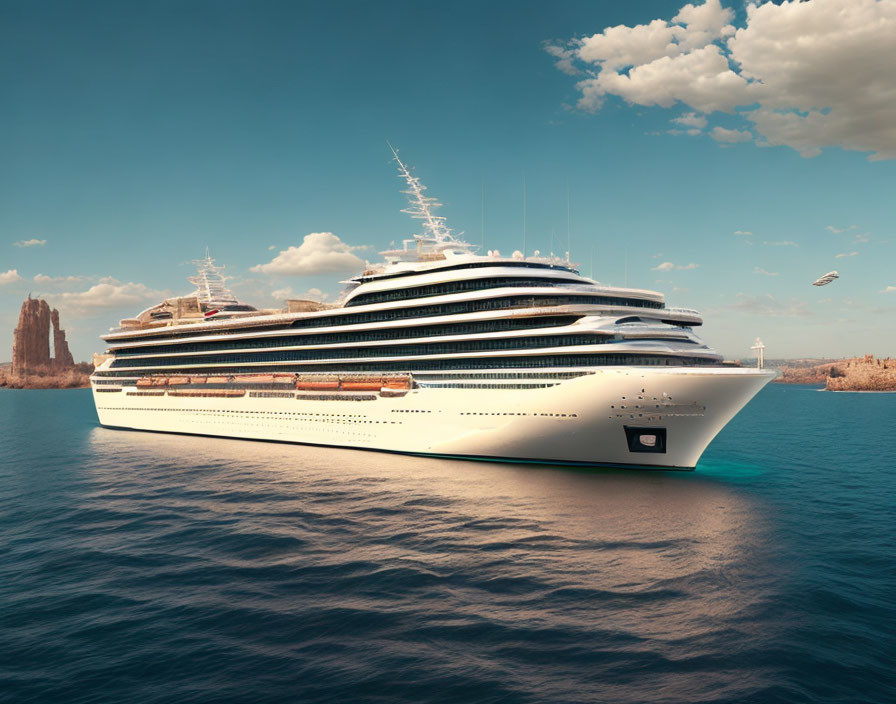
(826, 279)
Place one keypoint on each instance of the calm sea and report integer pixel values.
(137, 567)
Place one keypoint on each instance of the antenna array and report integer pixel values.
(422, 207)
(209, 282)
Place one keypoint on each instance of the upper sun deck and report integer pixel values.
(434, 269)
(450, 260)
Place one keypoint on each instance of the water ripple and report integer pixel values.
(153, 568)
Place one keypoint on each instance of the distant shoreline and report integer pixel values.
(857, 374)
(77, 377)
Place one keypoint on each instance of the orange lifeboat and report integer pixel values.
(178, 380)
(160, 381)
(363, 385)
(144, 382)
(217, 380)
(398, 382)
(254, 379)
(317, 385)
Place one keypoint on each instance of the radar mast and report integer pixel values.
(210, 282)
(436, 240)
(421, 206)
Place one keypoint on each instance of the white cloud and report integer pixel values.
(272, 247)
(781, 243)
(10, 277)
(669, 266)
(30, 243)
(691, 119)
(889, 289)
(759, 270)
(857, 237)
(54, 280)
(840, 230)
(319, 253)
(693, 28)
(700, 78)
(743, 232)
(565, 57)
(720, 134)
(845, 254)
(109, 293)
(808, 75)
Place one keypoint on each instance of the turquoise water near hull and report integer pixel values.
(161, 568)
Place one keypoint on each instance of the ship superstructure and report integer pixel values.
(438, 351)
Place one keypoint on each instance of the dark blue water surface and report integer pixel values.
(137, 567)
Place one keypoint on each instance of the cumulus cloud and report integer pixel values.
(10, 277)
(109, 293)
(565, 58)
(691, 119)
(768, 305)
(840, 230)
(808, 75)
(760, 270)
(30, 243)
(889, 289)
(845, 254)
(56, 280)
(743, 232)
(319, 253)
(669, 266)
(720, 134)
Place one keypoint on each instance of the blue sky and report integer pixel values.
(135, 134)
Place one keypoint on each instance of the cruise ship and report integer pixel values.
(437, 351)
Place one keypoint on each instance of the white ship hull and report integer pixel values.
(596, 419)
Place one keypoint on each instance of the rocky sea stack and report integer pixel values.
(33, 366)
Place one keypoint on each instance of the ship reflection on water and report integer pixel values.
(525, 579)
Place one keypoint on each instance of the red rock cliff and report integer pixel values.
(31, 340)
(62, 356)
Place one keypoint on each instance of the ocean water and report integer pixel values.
(137, 567)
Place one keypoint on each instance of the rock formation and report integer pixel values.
(31, 339)
(62, 357)
(856, 374)
(32, 364)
